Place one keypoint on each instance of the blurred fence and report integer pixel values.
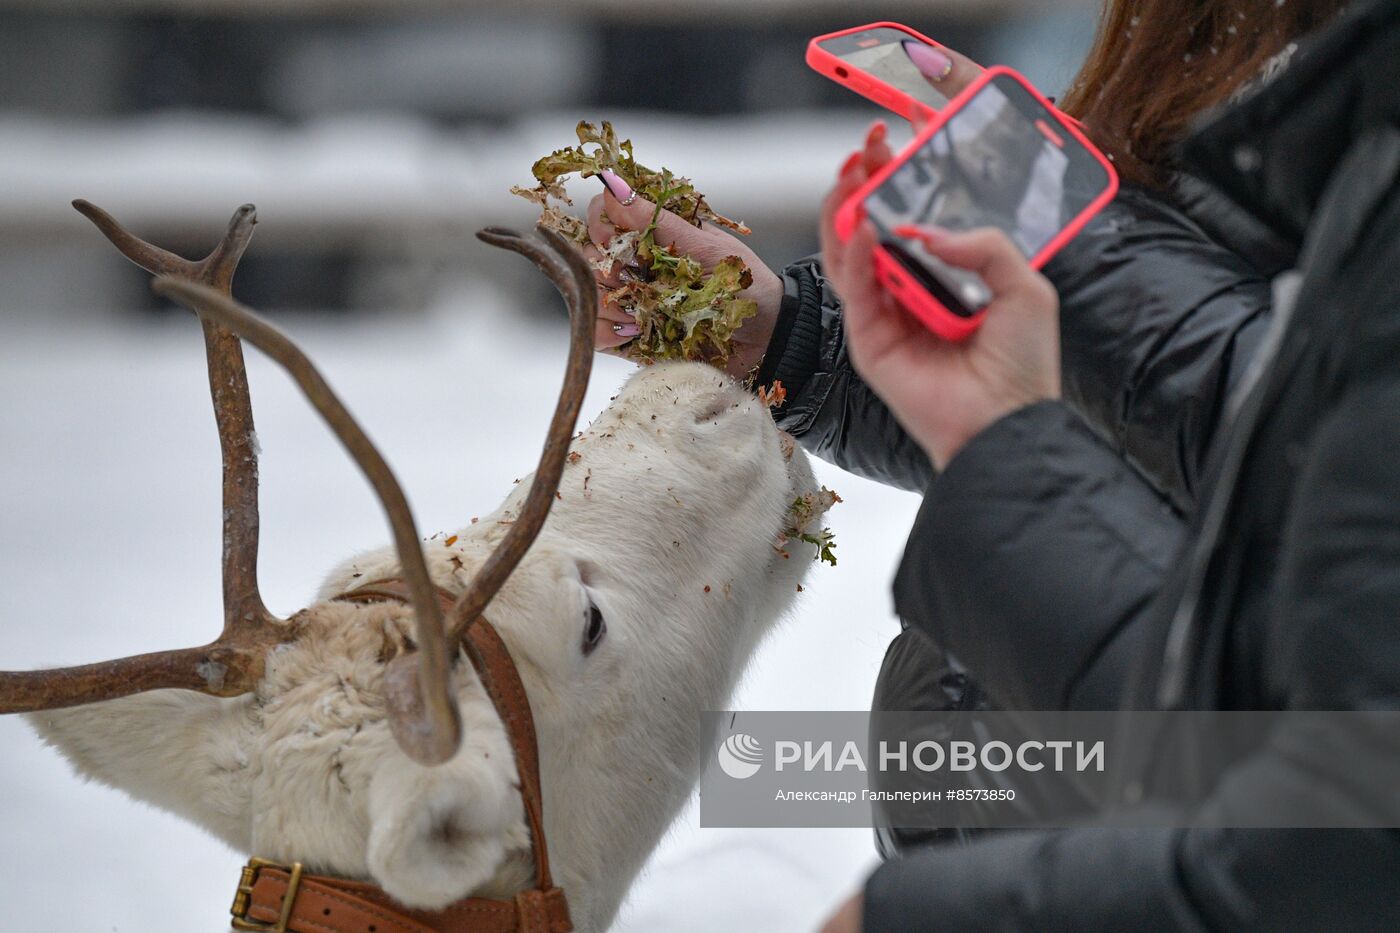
(376, 135)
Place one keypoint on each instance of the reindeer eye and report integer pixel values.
(597, 628)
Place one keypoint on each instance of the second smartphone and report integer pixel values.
(876, 62)
(999, 155)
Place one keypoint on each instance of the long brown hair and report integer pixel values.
(1156, 64)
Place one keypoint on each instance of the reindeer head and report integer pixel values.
(357, 738)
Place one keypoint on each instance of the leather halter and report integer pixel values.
(282, 898)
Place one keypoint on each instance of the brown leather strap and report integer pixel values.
(501, 680)
(331, 905)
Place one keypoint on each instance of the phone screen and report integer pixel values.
(1002, 160)
(878, 52)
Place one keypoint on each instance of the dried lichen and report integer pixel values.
(803, 512)
(683, 311)
(772, 396)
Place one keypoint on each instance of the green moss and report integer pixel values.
(802, 513)
(684, 312)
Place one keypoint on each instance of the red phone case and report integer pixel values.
(893, 276)
(867, 85)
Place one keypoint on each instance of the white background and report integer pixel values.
(109, 503)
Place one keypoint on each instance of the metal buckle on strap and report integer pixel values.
(243, 897)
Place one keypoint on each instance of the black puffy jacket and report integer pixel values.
(1163, 302)
(1048, 565)
(1158, 298)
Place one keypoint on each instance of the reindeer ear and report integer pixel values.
(178, 750)
(437, 834)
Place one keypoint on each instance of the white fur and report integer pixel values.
(667, 522)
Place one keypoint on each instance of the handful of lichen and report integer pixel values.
(802, 515)
(684, 312)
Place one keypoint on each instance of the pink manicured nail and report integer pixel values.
(924, 234)
(614, 183)
(932, 64)
(850, 164)
(627, 330)
(876, 134)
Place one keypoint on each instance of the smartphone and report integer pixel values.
(999, 155)
(872, 61)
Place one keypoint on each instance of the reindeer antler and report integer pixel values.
(233, 664)
(228, 383)
(569, 271)
(437, 739)
(422, 711)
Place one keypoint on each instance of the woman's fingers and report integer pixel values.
(615, 326)
(600, 230)
(988, 252)
(876, 325)
(848, 181)
(611, 334)
(964, 72)
(607, 338)
(629, 211)
(618, 209)
(607, 282)
(609, 312)
(949, 71)
(877, 152)
(610, 278)
(602, 227)
(860, 290)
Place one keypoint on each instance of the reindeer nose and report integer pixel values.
(727, 400)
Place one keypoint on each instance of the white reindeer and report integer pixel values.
(665, 559)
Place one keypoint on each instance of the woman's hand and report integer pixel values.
(945, 393)
(948, 71)
(707, 245)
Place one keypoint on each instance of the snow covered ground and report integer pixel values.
(109, 546)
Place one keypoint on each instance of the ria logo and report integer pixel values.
(740, 756)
